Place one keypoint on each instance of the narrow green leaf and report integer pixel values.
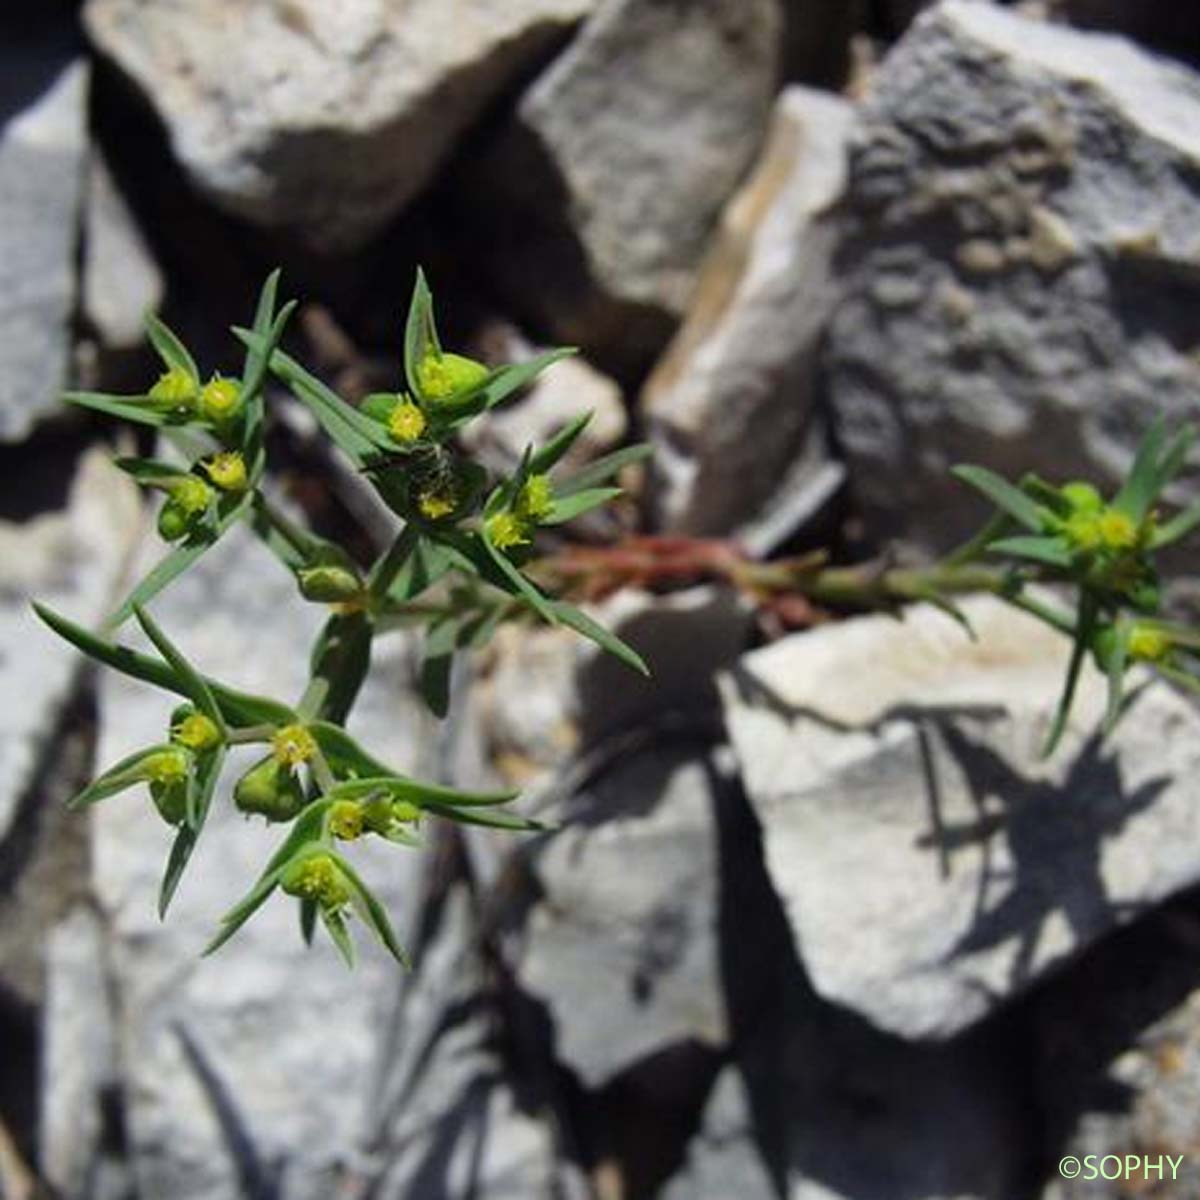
(335, 925)
(308, 920)
(125, 774)
(169, 568)
(150, 471)
(1116, 676)
(1083, 639)
(258, 357)
(594, 631)
(1052, 551)
(1002, 494)
(541, 605)
(186, 838)
(344, 754)
(509, 380)
(190, 680)
(576, 504)
(555, 449)
(418, 792)
(170, 349)
(1142, 484)
(491, 818)
(601, 470)
(1178, 527)
(240, 709)
(237, 916)
(372, 912)
(128, 408)
(420, 331)
(440, 642)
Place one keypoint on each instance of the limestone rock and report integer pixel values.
(932, 865)
(323, 119)
(605, 187)
(620, 939)
(71, 561)
(42, 152)
(1015, 290)
(730, 407)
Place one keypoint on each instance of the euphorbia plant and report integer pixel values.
(455, 567)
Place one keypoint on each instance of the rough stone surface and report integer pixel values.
(1019, 263)
(576, 698)
(1118, 1059)
(621, 942)
(730, 405)
(260, 103)
(257, 1060)
(71, 561)
(618, 160)
(42, 154)
(121, 280)
(932, 865)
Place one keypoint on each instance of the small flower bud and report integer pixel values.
(1082, 497)
(406, 422)
(317, 878)
(196, 732)
(506, 529)
(437, 502)
(441, 377)
(220, 399)
(346, 820)
(1148, 645)
(329, 584)
(228, 471)
(174, 389)
(188, 499)
(1116, 531)
(293, 745)
(269, 789)
(535, 501)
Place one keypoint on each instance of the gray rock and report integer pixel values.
(72, 561)
(1118, 1061)
(931, 864)
(121, 280)
(1019, 262)
(620, 939)
(42, 152)
(255, 1063)
(730, 407)
(618, 160)
(258, 109)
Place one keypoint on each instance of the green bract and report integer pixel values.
(1106, 551)
(443, 570)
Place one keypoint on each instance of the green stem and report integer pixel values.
(385, 570)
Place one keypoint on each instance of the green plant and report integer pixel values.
(456, 568)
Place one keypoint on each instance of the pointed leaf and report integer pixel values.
(1052, 551)
(125, 774)
(1083, 640)
(572, 506)
(128, 408)
(1141, 486)
(556, 448)
(418, 792)
(170, 349)
(420, 331)
(335, 924)
(186, 838)
(189, 678)
(1178, 527)
(522, 586)
(594, 631)
(372, 912)
(509, 380)
(1002, 494)
(492, 818)
(602, 470)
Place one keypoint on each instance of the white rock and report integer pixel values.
(931, 864)
(42, 152)
(323, 119)
(730, 407)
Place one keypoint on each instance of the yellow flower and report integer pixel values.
(1116, 531)
(346, 820)
(536, 499)
(175, 388)
(220, 398)
(406, 422)
(293, 745)
(166, 766)
(228, 471)
(436, 503)
(443, 376)
(506, 529)
(196, 732)
(190, 494)
(1148, 645)
(317, 878)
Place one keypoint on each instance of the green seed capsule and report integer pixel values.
(171, 800)
(269, 789)
(329, 584)
(173, 522)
